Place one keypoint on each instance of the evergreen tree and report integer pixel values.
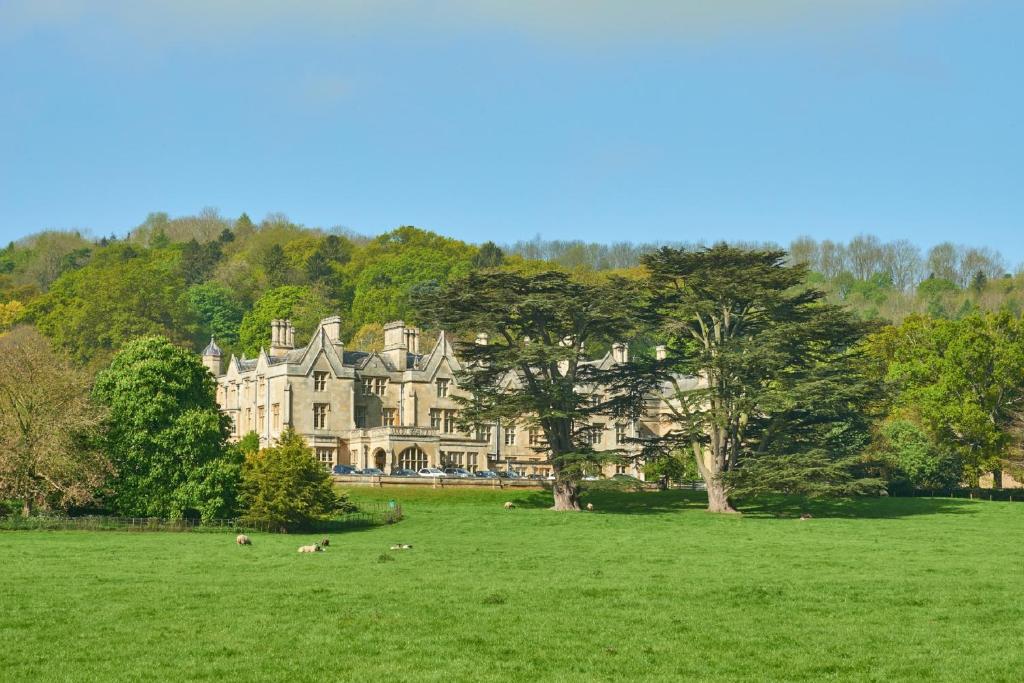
(534, 371)
(766, 391)
(285, 486)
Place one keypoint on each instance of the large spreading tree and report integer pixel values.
(535, 370)
(762, 381)
(961, 382)
(165, 434)
(48, 426)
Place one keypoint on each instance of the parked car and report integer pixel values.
(535, 476)
(430, 472)
(370, 472)
(343, 469)
(486, 474)
(458, 472)
(509, 474)
(402, 472)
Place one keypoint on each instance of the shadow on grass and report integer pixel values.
(660, 502)
(857, 508)
(622, 502)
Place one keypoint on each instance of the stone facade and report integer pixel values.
(388, 410)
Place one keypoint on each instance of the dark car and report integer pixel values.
(343, 469)
(535, 476)
(370, 472)
(486, 474)
(509, 474)
(402, 472)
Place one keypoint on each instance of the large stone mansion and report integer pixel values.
(390, 409)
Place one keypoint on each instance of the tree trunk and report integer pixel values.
(26, 507)
(997, 479)
(718, 496)
(566, 495)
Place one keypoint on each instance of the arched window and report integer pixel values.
(412, 458)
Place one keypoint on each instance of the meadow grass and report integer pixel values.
(646, 587)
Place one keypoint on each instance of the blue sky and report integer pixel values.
(489, 119)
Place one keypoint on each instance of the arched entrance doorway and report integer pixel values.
(412, 458)
(380, 459)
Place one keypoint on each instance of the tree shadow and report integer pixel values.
(883, 507)
(660, 502)
(622, 501)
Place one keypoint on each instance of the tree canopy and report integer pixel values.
(762, 374)
(164, 433)
(534, 368)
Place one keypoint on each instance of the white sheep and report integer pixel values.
(311, 549)
(590, 507)
(509, 505)
(242, 539)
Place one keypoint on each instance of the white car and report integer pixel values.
(430, 472)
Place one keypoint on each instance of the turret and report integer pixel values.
(211, 358)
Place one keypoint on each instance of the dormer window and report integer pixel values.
(442, 387)
(374, 386)
(319, 381)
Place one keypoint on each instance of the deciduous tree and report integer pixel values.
(165, 434)
(48, 426)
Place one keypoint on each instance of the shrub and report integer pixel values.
(285, 487)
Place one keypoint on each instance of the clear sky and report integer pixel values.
(494, 119)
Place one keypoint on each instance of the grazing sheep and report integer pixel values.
(242, 539)
(804, 517)
(590, 507)
(311, 549)
(324, 543)
(401, 546)
(509, 505)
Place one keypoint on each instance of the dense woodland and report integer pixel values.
(938, 335)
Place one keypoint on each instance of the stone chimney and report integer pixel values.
(661, 352)
(282, 337)
(211, 358)
(332, 330)
(412, 339)
(396, 344)
(620, 352)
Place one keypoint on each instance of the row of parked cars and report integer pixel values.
(460, 473)
(449, 472)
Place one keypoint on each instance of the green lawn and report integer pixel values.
(647, 587)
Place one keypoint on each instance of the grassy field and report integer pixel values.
(647, 587)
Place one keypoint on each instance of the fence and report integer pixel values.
(1009, 495)
(367, 515)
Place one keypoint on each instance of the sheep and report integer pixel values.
(242, 539)
(324, 543)
(804, 517)
(401, 546)
(590, 507)
(509, 505)
(311, 549)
